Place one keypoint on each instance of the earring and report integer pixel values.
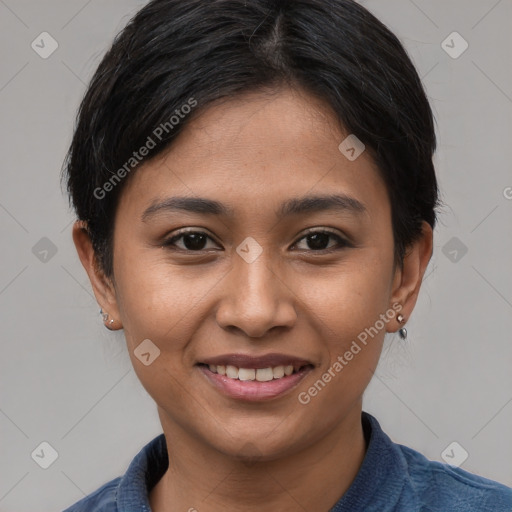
(105, 318)
(402, 332)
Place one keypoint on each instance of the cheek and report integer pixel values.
(156, 298)
(350, 298)
(352, 333)
(158, 304)
(351, 311)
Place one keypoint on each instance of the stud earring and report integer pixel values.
(402, 332)
(105, 317)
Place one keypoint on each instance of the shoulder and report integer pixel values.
(130, 491)
(101, 500)
(441, 487)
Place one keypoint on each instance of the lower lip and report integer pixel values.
(253, 390)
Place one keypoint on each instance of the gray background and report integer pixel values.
(65, 380)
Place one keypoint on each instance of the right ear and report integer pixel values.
(102, 286)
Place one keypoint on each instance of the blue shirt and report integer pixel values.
(392, 478)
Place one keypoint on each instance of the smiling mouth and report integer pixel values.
(267, 374)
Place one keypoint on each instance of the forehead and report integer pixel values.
(255, 150)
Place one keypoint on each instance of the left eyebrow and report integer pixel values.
(295, 206)
(312, 203)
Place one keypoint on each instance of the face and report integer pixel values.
(262, 277)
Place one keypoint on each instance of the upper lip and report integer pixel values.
(255, 362)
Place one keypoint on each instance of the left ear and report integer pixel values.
(407, 280)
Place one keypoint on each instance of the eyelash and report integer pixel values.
(342, 243)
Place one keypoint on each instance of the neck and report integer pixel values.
(313, 478)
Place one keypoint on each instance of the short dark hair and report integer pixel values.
(174, 53)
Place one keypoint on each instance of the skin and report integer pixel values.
(252, 153)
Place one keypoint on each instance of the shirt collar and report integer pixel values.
(145, 470)
(381, 478)
(377, 486)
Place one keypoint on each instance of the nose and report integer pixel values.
(255, 299)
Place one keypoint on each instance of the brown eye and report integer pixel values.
(192, 241)
(319, 241)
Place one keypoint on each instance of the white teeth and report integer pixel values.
(264, 374)
(278, 372)
(248, 374)
(232, 372)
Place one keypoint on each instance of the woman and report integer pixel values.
(256, 200)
